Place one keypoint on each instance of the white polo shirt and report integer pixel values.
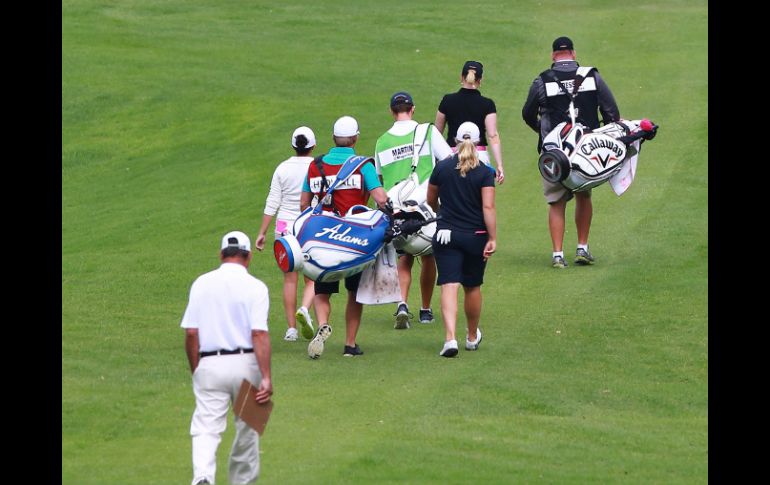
(225, 306)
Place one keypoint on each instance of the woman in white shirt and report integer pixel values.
(283, 200)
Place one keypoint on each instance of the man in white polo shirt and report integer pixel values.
(226, 339)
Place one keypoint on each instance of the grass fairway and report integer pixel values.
(174, 115)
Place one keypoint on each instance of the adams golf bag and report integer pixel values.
(327, 247)
(581, 158)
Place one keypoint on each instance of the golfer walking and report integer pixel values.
(467, 104)
(226, 341)
(283, 200)
(466, 234)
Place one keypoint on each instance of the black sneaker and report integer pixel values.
(583, 257)
(402, 317)
(352, 351)
(426, 316)
(558, 262)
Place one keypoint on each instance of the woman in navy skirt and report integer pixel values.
(466, 233)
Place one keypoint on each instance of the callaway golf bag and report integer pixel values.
(327, 247)
(581, 158)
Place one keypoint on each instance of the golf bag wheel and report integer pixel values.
(288, 253)
(554, 166)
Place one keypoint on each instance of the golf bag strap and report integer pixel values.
(580, 75)
(324, 184)
(319, 164)
(418, 146)
(354, 161)
(555, 79)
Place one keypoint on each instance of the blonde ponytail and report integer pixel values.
(471, 76)
(468, 156)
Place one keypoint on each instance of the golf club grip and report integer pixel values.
(637, 135)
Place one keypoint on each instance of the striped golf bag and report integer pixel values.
(580, 158)
(327, 247)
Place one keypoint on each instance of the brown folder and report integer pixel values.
(253, 413)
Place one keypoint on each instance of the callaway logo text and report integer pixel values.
(596, 143)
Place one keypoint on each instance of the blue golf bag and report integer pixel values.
(327, 247)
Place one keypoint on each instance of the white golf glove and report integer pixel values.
(443, 236)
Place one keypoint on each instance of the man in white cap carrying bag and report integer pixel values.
(226, 340)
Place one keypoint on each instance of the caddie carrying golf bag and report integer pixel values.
(581, 158)
(409, 198)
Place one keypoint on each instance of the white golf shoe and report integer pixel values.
(291, 335)
(316, 346)
(450, 349)
(475, 344)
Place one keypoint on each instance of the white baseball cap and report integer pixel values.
(236, 239)
(470, 130)
(303, 130)
(346, 126)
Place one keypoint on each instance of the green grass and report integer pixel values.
(174, 115)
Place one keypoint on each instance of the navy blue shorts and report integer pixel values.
(462, 260)
(351, 284)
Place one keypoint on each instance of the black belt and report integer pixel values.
(226, 352)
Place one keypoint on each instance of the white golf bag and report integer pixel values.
(581, 158)
(409, 196)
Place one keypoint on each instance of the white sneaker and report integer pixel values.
(316, 346)
(305, 322)
(402, 317)
(473, 345)
(449, 350)
(291, 335)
